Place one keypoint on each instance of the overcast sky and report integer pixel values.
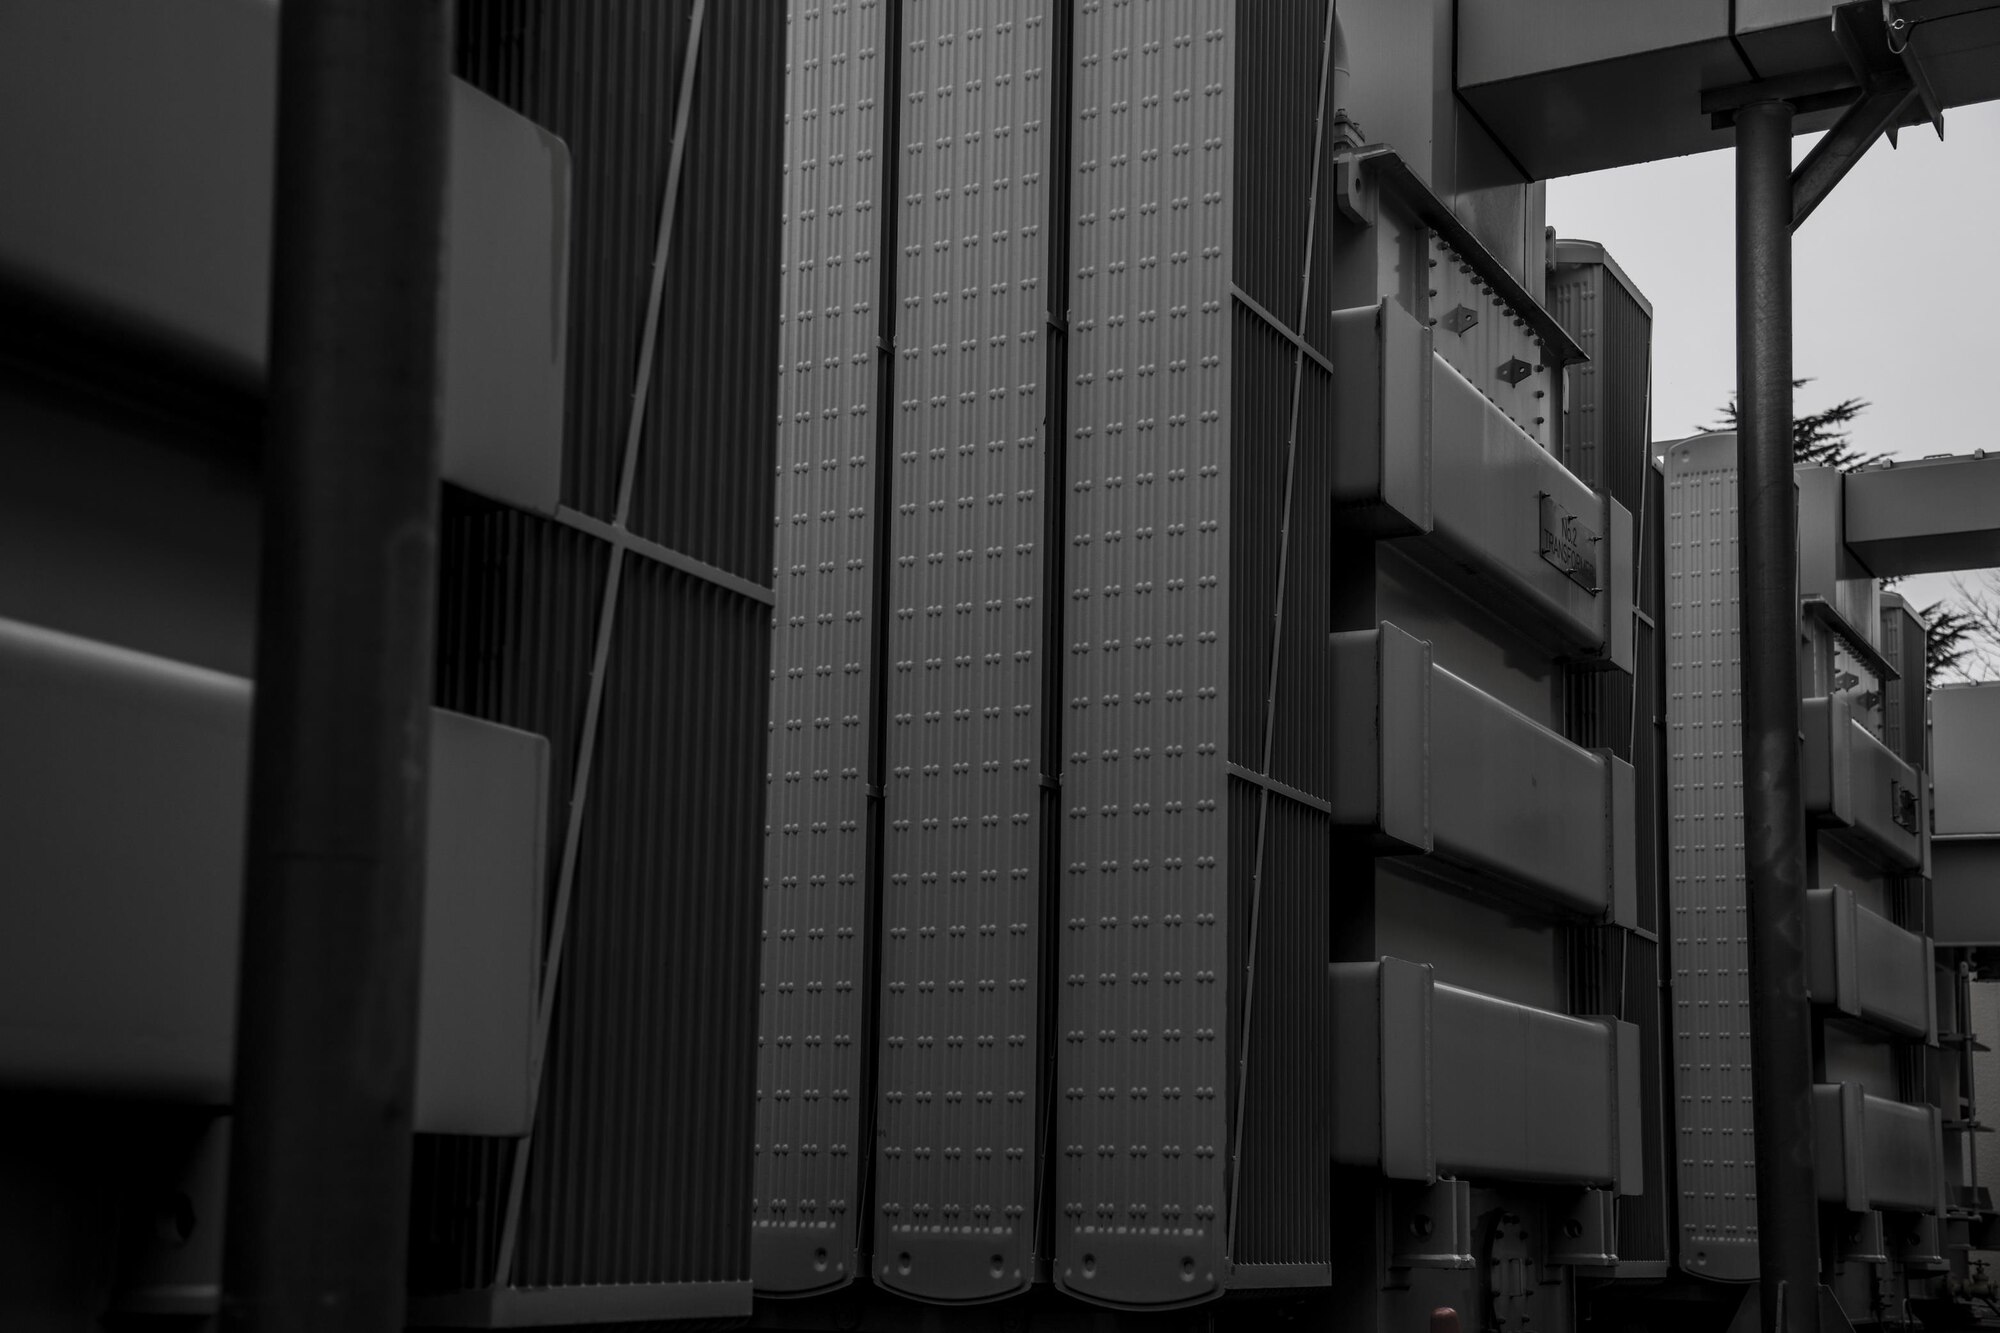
(1896, 282)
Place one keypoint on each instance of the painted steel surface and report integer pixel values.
(961, 880)
(119, 975)
(1965, 734)
(1864, 965)
(1709, 950)
(1422, 450)
(1924, 515)
(1437, 1079)
(1877, 1153)
(1142, 1121)
(152, 213)
(1516, 800)
(1434, 764)
(812, 1027)
(1874, 801)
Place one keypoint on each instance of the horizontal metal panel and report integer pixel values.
(1435, 1079)
(1513, 799)
(1965, 891)
(1420, 450)
(1497, 42)
(1856, 785)
(1925, 516)
(152, 209)
(123, 783)
(1874, 1153)
(1488, 481)
(1475, 783)
(1866, 966)
(1965, 735)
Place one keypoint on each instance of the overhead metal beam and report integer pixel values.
(1774, 846)
(1880, 109)
(1898, 24)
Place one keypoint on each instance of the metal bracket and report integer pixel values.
(1585, 1235)
(1354, 196)
(1861, 1239)
(1879, 110)
(1431, 1225)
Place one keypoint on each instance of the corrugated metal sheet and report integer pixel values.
(819, 925)
(641, 1165)
(704, 481)
(1709, 948)
(1260, 401)
(1301, 755)
(1283, 1204)
(961, 894)
(604, 76)
(517, 602)
(1142, 1071)
(1643, 1219)
(1276, 84)
(637, 1174)
(1608, 413)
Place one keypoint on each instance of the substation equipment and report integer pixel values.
(1252, 727)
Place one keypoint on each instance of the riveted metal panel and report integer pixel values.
(960, 1052)
(816, 898)
(1709, 949)
(1143, 1119)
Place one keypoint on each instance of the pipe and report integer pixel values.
(1773, 814)
(333, 904)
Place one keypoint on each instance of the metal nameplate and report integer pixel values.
(1569, 545)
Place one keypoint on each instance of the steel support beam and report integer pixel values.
(1774, 823)
(333, 907)
(1879, 110)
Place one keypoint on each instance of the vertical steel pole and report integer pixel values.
(333, 909)
(1773, 816)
